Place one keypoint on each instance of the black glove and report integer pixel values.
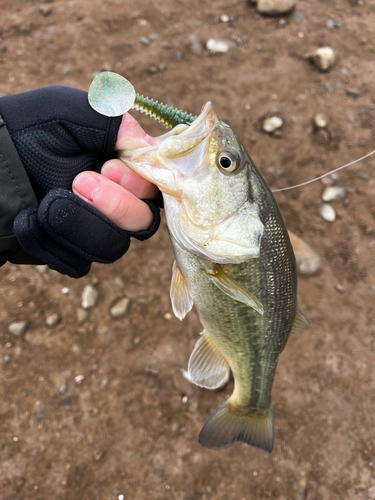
(56, 135)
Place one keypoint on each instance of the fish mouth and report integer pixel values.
(162, 163)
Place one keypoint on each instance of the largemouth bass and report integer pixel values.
(234, 262)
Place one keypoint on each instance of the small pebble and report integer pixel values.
(82, 315)
(45, 10)
(282, 24)
(339, 288)
(65, 290)
(323, 58)
(271, 124)
(144, 41)
(120, 308)
(275, 7)
(63, 388)
(308, 261)
(42, 269)
(53, 320)
(6, 360)
(354, 93)
(218, 46)
(137, 341)
(296, 16)
(373, 289)
(362, 176)
(78, 379)
(224, 18)
(327, 213)
(40, 411)
(320, 120)
(184, 399)
(168, 316)
(90, 297)
(330, 24)
(106, 66)
(165, 45)
(334, 193)
(18, 328)
(195, 46)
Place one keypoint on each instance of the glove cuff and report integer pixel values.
(16, 191)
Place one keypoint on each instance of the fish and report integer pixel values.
(234, 262)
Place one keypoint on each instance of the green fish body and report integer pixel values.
(234, 262)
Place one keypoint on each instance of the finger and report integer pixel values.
(120, 206)
(118, 172)
(132, 136)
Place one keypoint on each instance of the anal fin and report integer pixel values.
(181, 299)
(207, 367)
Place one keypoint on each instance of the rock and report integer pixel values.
(308, 261)
(271, 124)
(18, 328)
(275, 7)
(362, 176)
(282, 24)
(195, 46)
(42, 269)
(67, 70)
(219, 46)
(327, 213)
(40, 411)
(78, 379)
(330, 24)
(120, 308)
(6, 360)
(224, 18)
(137, 341)
(53, 319)
(323, 58)
(82, 315)
(45, 10)
(296, 16)
(331, 180)
(334, 193)
(90, 297)
(106, 66)
(320, 120)
(63, 389)
(144, 41)
(354, 93)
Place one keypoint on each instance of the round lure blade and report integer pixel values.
(111, 94)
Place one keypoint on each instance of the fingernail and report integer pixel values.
(86, 185)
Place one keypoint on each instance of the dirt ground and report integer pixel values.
(128, 429)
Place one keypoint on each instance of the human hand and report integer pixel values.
(57, 135)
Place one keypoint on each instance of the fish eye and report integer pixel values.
(228, 161)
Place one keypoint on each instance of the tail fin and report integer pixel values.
(226, 426)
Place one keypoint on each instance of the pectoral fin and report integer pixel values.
(180, 296)
(207, 367)
(233, 289)
(300, 323)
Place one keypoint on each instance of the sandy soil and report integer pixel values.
(125, 430)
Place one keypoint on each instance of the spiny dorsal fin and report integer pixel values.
(226, 426)
(300, 323)
(207, 367)
(180, 296)
(233, 289)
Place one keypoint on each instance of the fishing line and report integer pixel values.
(324, 175)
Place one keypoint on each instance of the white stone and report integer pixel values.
(82, 315)
(120, 308)
(18, 328)
(334, 193)
(217, 46)
(271, 124)
(78, 379)
(308, 261)
(90, 297)
(327, 213)
(275, 7)
(323, 58)
(320, 120)
(53, 319)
